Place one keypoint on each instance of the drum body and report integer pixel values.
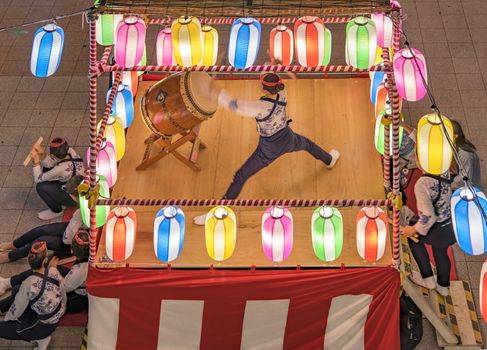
(179, 102)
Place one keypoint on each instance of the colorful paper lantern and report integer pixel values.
(327, 55)
(186, 41)
(220, 233)
(277, 233)
(361, 42)
(468, 222)
(101, 210)
(309, 41)
(129, 79)
(243, 45)
(409, 71)
(372, 231)
(376, 78)
(123, 105)
(106, 162)
(130, 41)
(384, 28)
(483, 291)
(169, 227)
(121, 228)
(47, 49)
(164, 53)
(281, 45)
(382, 100)
(115, 133)
(433, 149)
(327, 233)
(106, 26)
(209, 37)
(379, 134)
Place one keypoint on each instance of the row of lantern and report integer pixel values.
(221, 233)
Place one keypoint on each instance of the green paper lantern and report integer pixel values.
(101, 210)
(327, 233)
(361, 42)
(327, 56)
(379, 133)
(106, 26)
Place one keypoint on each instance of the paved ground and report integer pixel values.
(452, 33)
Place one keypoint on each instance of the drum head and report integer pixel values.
(199, 94)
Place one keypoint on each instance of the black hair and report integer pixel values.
(460, 140)
(272, 78)
(73, 183)
(59, 147)
(37, 259)
(81, 251)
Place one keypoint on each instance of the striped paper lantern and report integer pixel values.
(327, 233)
(409, 71)
(101, 210)
(281, 45)
(130, 79)
(372, 231)
(186, 41)
(309, 41)
(327, 55)
(376, 78)
(210, 45)
(244, 42)
(123, 105)
(164, 53)
(115, 133)
(277, 233)
(379, 133)
(106, 26)
(130, 41)
(106, 162)
(433, 150)
(361, 42)
(47, 49)
(121, 228)
(384, 28)
(169, 227)
(483, 291)
(382, 100)
(468, 222)
(220, 233)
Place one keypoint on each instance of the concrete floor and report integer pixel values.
(452, 34)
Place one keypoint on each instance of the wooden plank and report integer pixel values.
(462, 313)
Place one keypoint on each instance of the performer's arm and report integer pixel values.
(243, 107)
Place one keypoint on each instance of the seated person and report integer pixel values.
(58, 235)
(74, 277)
(52, 172)
(39, 303)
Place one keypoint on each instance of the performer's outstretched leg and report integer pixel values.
(302, 143)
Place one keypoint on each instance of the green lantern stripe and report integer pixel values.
(108, 37)
(362, 37)
(327, 56)
(338, 229)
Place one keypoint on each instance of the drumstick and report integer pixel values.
(29, 158)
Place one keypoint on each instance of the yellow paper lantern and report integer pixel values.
(114, 132)
(186, 41)
(210, 45)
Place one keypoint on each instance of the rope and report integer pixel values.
(262, 20)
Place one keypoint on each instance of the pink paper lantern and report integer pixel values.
(384, 28)
(277, 233)
(130, 41)
(106, 162)
(409, 68)
(164, 52)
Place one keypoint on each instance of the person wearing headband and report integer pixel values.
(39, 301)
(57, 235)
(276, 138)
(74, 277)
(52, 172)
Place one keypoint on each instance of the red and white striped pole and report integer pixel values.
(263, 20)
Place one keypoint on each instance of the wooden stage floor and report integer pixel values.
(335, 113)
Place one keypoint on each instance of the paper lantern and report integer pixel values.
(106, 26)
(409, 71)
(384, 28)
(483, 291)
(277, 233)
(309, 41)
(115, 133)
(382, 100)
(47, 49)
(376, 78)
(106, 162)
(327, 55)
(130, 41)
(361, 42)
(186, 41)
(379, 134)
(281, 45)
(169, 233)
(243, 45)
(433, 150)
(164, 53)
(123, 105)
(220, 233)
(372, 231)
(468, 222)
(210, 45)
(327, 233)
(120, 233)
(129, 79)
(101, 210)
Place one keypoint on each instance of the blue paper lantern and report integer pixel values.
(123, 105)
(376, 78)
(469, 225)
(244, 42)
(47, 49)
(169, 233)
